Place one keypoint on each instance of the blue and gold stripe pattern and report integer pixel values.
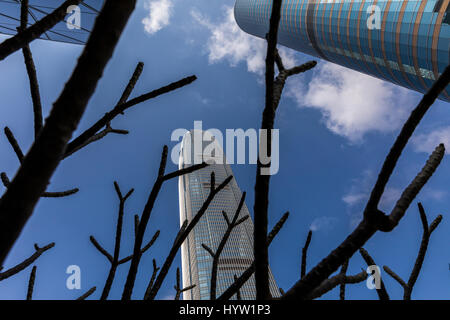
(405, 42)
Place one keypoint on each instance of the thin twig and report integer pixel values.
(79, 143)
(81, 140)
(382, 293)
(178, 289)
(87, 294)
(216, 256)
(333, 282)
(27, 262)
(31, 70)
(427, 230)
(152, 280)
(31, 283)
(238, 292)
(342, 286)
(58, 194)
(242, 279)
(304, 253)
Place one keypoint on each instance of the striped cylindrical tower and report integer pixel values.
(405, 42)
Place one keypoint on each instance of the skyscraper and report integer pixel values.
(194, 188)
(405, 42)
(37, 9)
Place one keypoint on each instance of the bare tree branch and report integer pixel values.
(382, 293)
(374, 220)
(178, 289)
(27, 262)
(184, 232)
(31, 283)
(238, 292)
(30, 182)
(144, 249)
(304, 253)
(395, 277)
(31, 70)
(22, 38)
(342, 286)
(239, 282)
(216, 256)
(114, 259)
(15, 145)
(79, 143)
(81, 140)
(152, 280)
(333, 282)
(101, 249)
(427, 230)
(87, 294)
(274, 89)
(161, 178)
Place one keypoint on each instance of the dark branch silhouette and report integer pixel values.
(24, 37)
(427, 231)
(216, 255)
(83, 139)
(27, 262)
(374, 220)
(342, 286)
(31, 71)
(304, 254)
(185, 229)
(30, 182)
(242, 279)
(333, 282)
(274, 88)
(31, 283)
(382, 293)
(87, 294)
(114, 259)
(178, 289)
(152, 280)
(161, 178)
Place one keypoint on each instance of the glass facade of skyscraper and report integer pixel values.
(38, 9)
(405, 42)
(237, 255)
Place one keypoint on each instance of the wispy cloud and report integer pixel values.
(228, 42)
(323, 224)
(352, 104)
(427, 142)
(159, 15)
(359, 192)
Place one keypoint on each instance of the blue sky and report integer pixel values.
(336, 126)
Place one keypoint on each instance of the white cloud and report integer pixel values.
(352, 103)
(323, 223)
(228, 42)
(359, 192)
(159, 15)
(429, 141)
